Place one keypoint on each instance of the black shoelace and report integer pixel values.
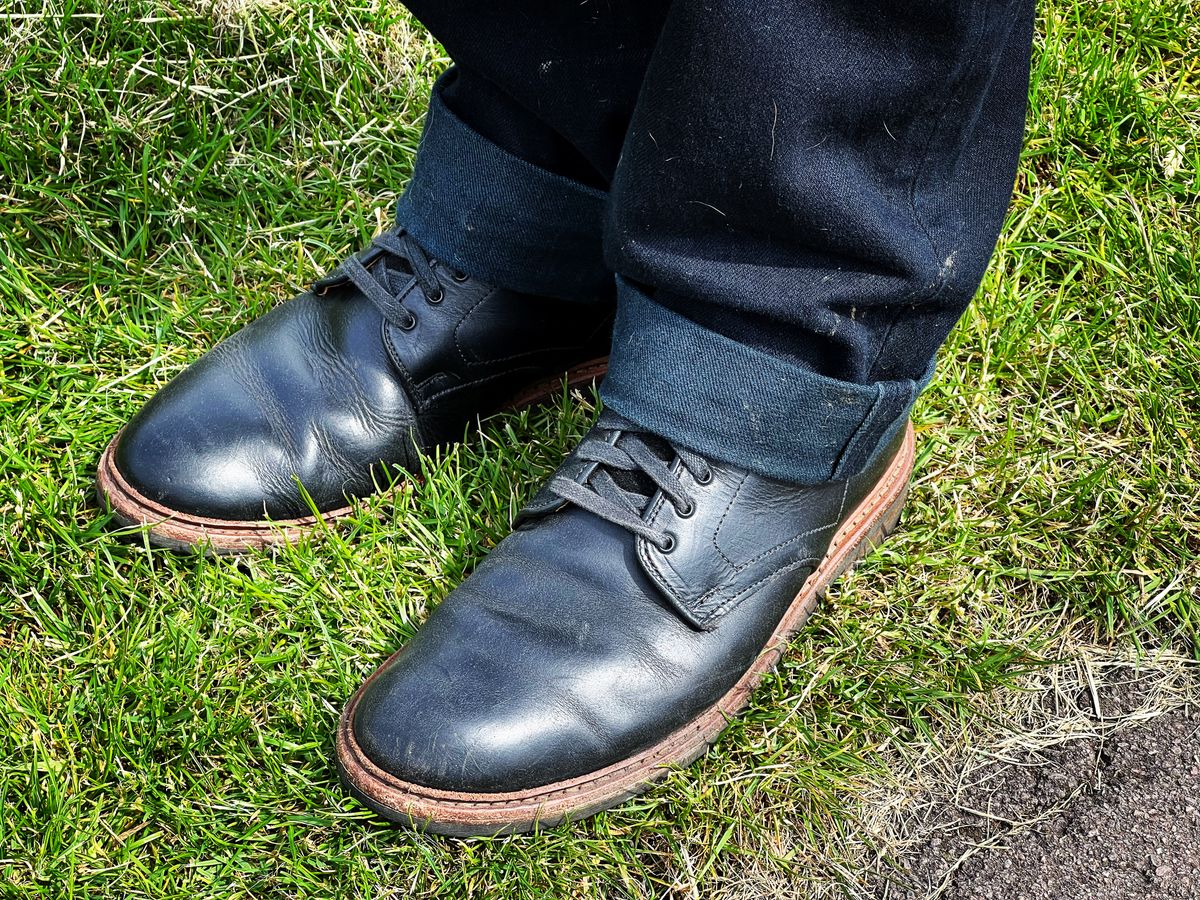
(398, 262)
(641, 460)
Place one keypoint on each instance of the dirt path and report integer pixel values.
(1098, 819)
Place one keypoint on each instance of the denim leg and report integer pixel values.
(502, 219)
(807, 199)
(523, 135)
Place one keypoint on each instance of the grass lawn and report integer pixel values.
(170, 169)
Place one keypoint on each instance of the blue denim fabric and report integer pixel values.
(802, 197)
(792, 423)
(500, 218)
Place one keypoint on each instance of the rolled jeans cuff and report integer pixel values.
(738, 404)
(501, 219)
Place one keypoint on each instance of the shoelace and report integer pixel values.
(620, 445)
(384, 285)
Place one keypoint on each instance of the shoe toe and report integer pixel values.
(163, 457)
(532, 672)
(449, 735)
(192, 450)
(304, 394)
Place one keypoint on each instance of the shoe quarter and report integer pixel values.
(479, 334)
(428, 354)
(745, 532)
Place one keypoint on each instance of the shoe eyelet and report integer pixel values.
(438, 297)
(408, 325)
(458, 277)
(707, 479)
(687, 511)
(668, 543)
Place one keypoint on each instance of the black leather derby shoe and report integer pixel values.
(640, 598)
(390, 355)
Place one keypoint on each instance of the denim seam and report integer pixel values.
(956, 80)
(869, 420)
(856, 436)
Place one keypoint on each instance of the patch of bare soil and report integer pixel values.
(1110, 817)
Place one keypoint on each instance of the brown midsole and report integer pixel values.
(186, 528)
(176, 528)
(482, 813)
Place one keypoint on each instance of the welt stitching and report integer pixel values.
(394, 784)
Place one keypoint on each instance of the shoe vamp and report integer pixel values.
(558, 657)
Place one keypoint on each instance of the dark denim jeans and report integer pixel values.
(797, 199)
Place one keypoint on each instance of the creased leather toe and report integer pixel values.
(306, 396)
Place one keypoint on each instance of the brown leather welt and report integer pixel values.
(546, 389)
(126, 499)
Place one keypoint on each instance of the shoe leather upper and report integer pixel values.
(324, 388)
(576, 644)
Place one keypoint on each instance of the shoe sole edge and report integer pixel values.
(476, 814)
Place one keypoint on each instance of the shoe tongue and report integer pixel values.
(639, 482)
(397, 270)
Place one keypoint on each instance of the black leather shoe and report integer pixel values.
(640, 598)
(392, 354)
